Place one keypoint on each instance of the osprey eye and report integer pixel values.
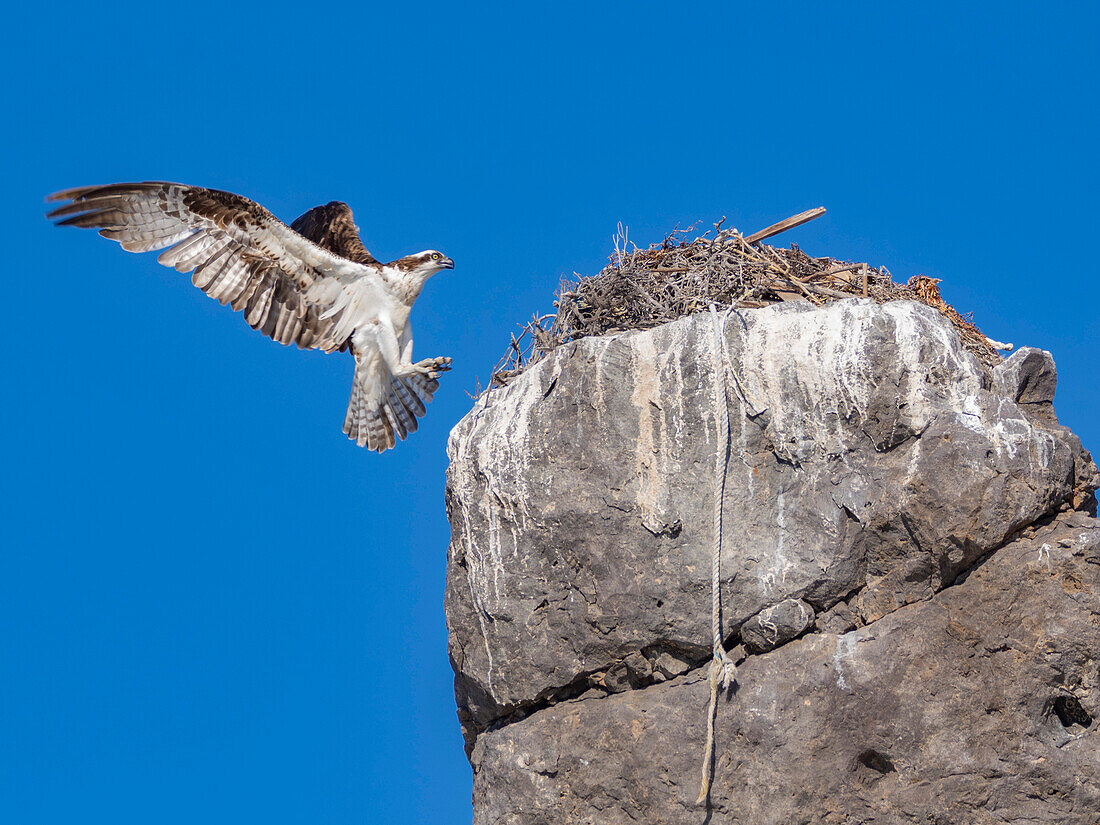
(435, 256)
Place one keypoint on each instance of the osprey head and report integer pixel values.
(424, 264)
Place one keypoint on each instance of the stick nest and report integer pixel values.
(643, 288)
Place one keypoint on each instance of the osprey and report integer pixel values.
(313, 284)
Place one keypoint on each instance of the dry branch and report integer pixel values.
(783, 226)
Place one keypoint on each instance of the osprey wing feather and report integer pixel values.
(332, 226)
(313, 285)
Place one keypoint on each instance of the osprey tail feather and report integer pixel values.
(381, 412)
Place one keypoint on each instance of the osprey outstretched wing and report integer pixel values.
(314, 284)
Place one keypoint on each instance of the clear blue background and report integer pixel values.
(214, 607)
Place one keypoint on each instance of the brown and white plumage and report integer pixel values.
(312, 284)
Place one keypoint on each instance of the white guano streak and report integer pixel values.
(491, 451)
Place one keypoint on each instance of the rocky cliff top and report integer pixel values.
(911, 578)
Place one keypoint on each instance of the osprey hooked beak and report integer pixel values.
(447, 263)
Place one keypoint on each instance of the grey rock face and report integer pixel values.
(1028, 377)
(873, 463)
(776, 625)
(974, 707)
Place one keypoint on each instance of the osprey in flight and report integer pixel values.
(313, 284)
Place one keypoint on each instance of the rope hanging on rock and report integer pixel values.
(722, 667)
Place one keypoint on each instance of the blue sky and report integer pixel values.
(213, 606)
